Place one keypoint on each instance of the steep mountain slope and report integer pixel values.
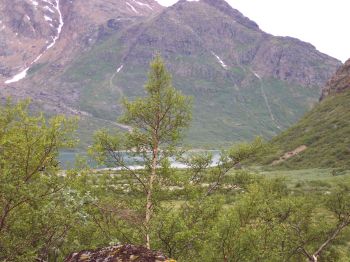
(31, 27)
(39, 62)
(245, 82)
(339, 82)
(325, 131)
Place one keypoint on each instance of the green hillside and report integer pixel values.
(325, 131)
(229, 106)
(247, 84)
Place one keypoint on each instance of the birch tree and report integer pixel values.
(157, 121)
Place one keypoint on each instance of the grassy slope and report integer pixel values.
(326, 132)
(223, 113)
(228, 104)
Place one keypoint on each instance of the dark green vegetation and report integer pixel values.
(325, 130)
(37, 206)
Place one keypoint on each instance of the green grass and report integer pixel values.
(91, 73)
(87, 128)
(303, 181)
(225, 114)
(306, 180)
(325, 131)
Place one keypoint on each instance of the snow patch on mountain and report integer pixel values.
(120, 68)
(143, 4)
(47, 18)
(49, 9)
(23, 74)
(111, 81)
(256, 75)
(35, 3)
(2, 27)
(132, 7)
(220, 60)
(274, 120)
(18, 77)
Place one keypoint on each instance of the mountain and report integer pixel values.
(339, 82)
(245, 82)
(32, 27)
(325, 130)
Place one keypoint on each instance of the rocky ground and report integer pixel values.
(118, 253)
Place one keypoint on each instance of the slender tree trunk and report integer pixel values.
(149, 201)
(314, 257)
(328, 241)
(4, 216)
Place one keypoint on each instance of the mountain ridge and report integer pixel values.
(246, 82)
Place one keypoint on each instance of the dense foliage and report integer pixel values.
(36, 207)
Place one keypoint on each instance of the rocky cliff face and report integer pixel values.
(339, 82)
(30, 27)
(80, 57)
(212, 28)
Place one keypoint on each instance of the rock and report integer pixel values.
(113, 24)
(120, 253)
(339, 82)
(224, 7)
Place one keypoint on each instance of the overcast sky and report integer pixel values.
(323, 23)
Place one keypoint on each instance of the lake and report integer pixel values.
(68, 159)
